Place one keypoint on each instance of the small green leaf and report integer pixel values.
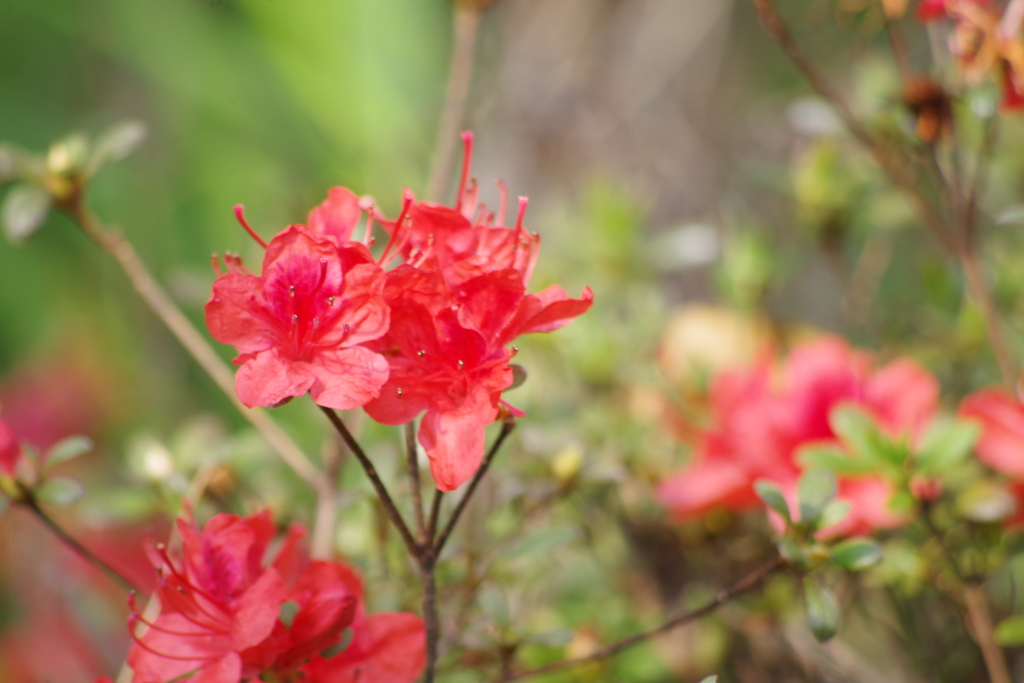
(771, 496)
(67, 449)
(60, 491)
(947, 443)
(833, 513)
(116, 143)
(856, 428)
(822, 610)
(1010, 631)
(834, 459)
(856, 554)
(24, 210)
(815, 490)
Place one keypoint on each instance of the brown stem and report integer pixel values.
(431, 619)
(162, 305)
(980, 620)
(466, 24)
(382, 493)
(892, 163)
(506, 428)
(414, 477)
(974, 276)
(745, 584)
(435, 512)
(28, 499)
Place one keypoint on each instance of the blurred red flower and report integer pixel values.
(760, 421)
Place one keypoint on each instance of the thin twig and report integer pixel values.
(506, 428)
(974, 276)
(414, 481)
(981, 167)
(893, 165)
(745, 584)
(435, 513)
(165, 309)
(431, 619)
(382, 492)
(980, 620)
(465, 27)
(28, 499)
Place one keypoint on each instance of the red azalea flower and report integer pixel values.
(467, 240)
(932, 10)
(10, 449)
(299, 324)
(447, 347)
(388, 647)
(217, 601)
(758, 430)
(1001, 445)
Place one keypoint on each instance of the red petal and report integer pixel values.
(385, 648)
(347, 378)
(269, 379)
(363, 308)
(705, 485)
(454, 440)
(10, 450)
(1001, 446)
(337, 216)
(233, 313)
(225, 670)
(257, 610)
(546, 311)
(489, 301)
(903, 395)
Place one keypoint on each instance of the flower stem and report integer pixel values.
(744, 585)
(506, 428)
(414, 480)
(431, 619)
(382, 492)
(28, 499)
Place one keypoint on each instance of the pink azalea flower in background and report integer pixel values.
(221, 614)
(299, 325)
(759, 425)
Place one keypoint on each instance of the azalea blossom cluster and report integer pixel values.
(762, 417)
(432, 334)
(984, 42)
(224, 617)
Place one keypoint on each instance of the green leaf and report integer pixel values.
(822, 610)
(24, 210)
(856, 554)
(857, 429)
(1010, 631)
(815, 490)
(60, 491)
(710, 679)
(771, 496)
(519, 376)
(834, 459)
(947, 443)
(116, 143)
(833, 513)
(67, 449)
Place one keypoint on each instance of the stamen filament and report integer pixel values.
(240, 215)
